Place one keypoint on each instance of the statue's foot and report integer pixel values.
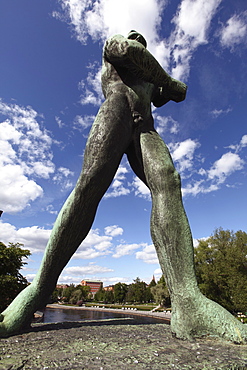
(18, 315)
(198, 317)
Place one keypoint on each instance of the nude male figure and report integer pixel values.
(132, 79)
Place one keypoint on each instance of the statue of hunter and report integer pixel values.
(132, 79)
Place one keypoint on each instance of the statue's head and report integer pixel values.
(134, 35)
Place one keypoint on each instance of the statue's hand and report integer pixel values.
(161, 97)
(176, 91)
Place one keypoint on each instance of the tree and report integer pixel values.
(120, 291)
(100, 295)
(221, 268)
(109, 296)
(152, 282)
(160, 293)
(85, 290)
(11, 280)
(137, 291)
(75, 296)
(67, 292)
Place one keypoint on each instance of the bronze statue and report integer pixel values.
(132, 79)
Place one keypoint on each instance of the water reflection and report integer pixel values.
(52, 315)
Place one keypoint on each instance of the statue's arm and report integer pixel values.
(132, 55)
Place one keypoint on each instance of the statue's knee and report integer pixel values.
(168, 178)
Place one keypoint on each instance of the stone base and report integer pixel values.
(115, 344)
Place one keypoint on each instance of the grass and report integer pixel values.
(140, 307)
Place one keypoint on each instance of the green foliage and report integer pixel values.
(11, 281)
(67, 293)
(100, 295)
(76, 296)
(221, 268)
(120, 291)
(71, 294)
(106, 296)
(160, 293)
(85, 290)
(137, 292)
(162, 281)
(152, 283)
(109, 296)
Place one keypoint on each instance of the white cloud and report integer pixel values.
(243, 141)
(193, 188)
(59, 122)
(119, 185)
(183, 149)
(141, 189)
(91, 87)
(34, 238)
(62, 177)
(25, 157)
(225, 166)
(235, 31)
(183, 153)
(51, 210)
(148, 254)
(165, 124)
(83, 122)
(238, 147)
(90, 269)
(87, 253)
(25, 154)
(216, 175)
(113, 230)
(126, 249)
(157, 274)
(16, 189)
(192, 23)
(218, 112)
(68, 279)
(102, 18)
(115, 279)
(73, 14)
(96, 245)
(194, 17)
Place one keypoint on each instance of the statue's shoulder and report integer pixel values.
(116, 38)
(115, 47)
(112, 41)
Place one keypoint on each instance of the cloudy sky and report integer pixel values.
(50, 93)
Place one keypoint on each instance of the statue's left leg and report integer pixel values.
(107, 142)
(192, 313)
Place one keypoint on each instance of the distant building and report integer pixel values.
(94, 285)
(62, 286)
(109, 288)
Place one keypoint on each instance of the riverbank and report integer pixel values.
(115, 344)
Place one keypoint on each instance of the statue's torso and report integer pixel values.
(121, 81)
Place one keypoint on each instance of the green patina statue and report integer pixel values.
(132, 79)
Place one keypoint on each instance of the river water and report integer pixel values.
(52, 315)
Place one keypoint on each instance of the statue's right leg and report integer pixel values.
(193, 315)
(109, 137)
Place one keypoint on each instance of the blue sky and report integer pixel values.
(50, 93)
